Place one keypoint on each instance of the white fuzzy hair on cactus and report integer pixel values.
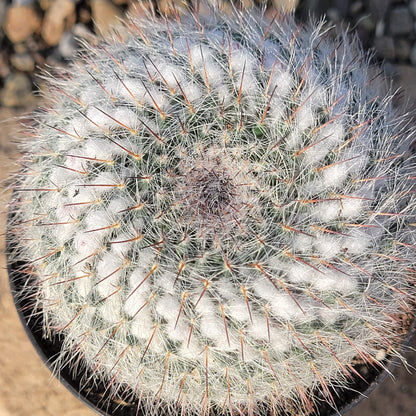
(217, 214)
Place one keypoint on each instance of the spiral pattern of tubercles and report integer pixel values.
(219, 214)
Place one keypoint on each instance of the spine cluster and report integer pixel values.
(219, 215)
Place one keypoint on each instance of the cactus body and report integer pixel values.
(218, 214)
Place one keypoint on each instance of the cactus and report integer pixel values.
(217, 214)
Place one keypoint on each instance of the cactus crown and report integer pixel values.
(218, 214)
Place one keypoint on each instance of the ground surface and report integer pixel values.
(26, 386)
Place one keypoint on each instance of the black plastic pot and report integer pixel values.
(97, 397)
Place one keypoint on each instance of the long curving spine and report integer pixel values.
(218, 214)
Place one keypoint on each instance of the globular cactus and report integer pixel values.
(217, 213)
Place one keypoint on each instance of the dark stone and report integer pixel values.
(400, 21)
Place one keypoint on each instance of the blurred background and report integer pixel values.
(37, 34)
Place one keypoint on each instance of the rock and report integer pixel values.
(84, 15)
(286, 5)
(390, 69)
(2, 11)
(44, 4)
(380, 28)
(413, 55)
(403, 48)
(400, 22)
(17, 91)
(21, 22)
(378, 8)
(4, 67)
(412, 7)
(406, 79)
(356, 7)
(170, 7)
(366, 23)
(384, 46)
(333, 14)
(81, 31)
(20, 47)
(105, 16)
(139, 10)
(23, 62)
(59, 17)
(342, 6)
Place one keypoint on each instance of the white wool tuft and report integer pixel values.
(330, 315)
(74, 162)
(132, 90)
(190, 350)
(327, 246)
(316, 95)
(117, 205)
(134, 301)
(200, 53)
(317, 152)
(353, 207)
(205, 306)
(100, 120)
(110, 305)
(83, 284)
(294, 139)
(64, 232)
(242, 60)
(279, 340)
(99, 149)
(238, 310)
(142, 325)
(327, 211)
(104, 182)
(213, 327)
(336, 282)
(92, 96)
(334, 176)
(302, 243)
(78, 126)
(258, 328)
(357, 242)
(177, 332)
(96, 222)
(305, 117)
(86, 243)
(264, 288)
(109, 270)
(164, 280)
(334, 132)
(281, 83)
(126, 116)
(167, 307)
(284, 307)
(147, 258)
(277, 112)
(192, 91)
(298, 273)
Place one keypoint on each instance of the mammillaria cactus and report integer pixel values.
(216, 214)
